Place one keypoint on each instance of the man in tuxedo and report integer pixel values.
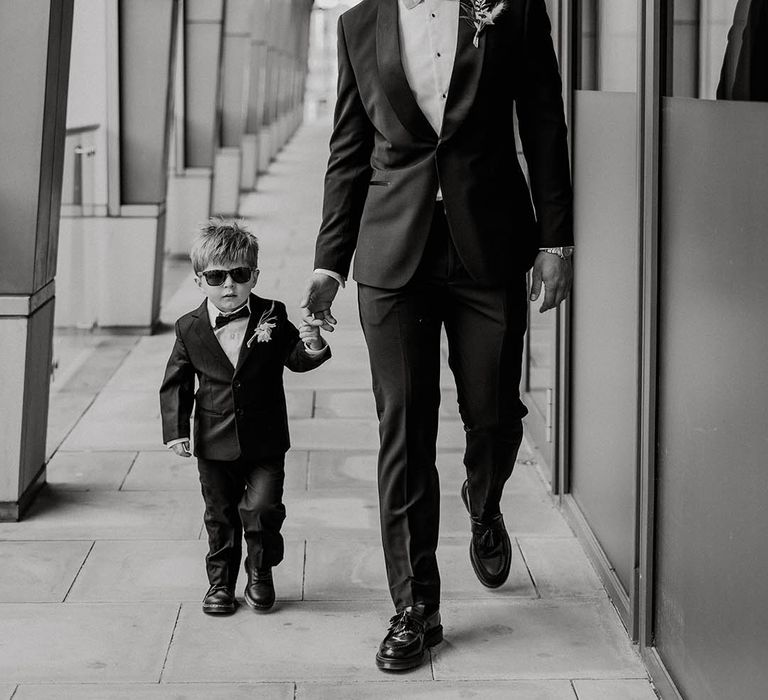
(424, 186)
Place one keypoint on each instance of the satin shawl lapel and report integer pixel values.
(204, 332)
(392, 74)
(258, 307)
(467, 67)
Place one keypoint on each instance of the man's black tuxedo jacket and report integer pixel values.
(387, 163)
(239, 411)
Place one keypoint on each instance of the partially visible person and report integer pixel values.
(236, 345)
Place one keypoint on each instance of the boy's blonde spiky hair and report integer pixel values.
(224, 241)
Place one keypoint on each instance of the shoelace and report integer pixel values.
(403, 623)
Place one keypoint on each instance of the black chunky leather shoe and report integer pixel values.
(411, 632)
(259, 591)
(490, 550)
(219, 600)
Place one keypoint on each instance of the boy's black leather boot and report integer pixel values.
(259, 591)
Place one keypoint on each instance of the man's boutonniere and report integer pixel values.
(481, 14)
(263, 331)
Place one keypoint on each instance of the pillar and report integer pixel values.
(235, 68)
(34, 53)
(191, 181)
(256, 95)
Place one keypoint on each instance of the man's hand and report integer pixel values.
(316, 303)
(182, 449)
(556, 274)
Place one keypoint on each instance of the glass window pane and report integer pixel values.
(718, 49)
(607, 45)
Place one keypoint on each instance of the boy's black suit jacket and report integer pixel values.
(387, 162)
(239, 411)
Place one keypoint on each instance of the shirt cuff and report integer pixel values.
(177, 441)
(310, 351)
(331, 273)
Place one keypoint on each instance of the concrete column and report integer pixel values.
(267, 148)
(133, 239)
(34, 53)
(191, 186)
(235, 68)
(256, 95)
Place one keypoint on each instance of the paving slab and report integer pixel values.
(614, 690)
(165, 471)
(297, 641)
(347, 514)
(437, 690)
(39, 572)
(159, 691)
(332, 434)
(64, 410)
(336, 571)
(91, 515)
(560, 568)
(6, 691)
(89, 471)
(119, 420)
(518, 639)
(139, 571)
(345, 404)
(524, 515)
(45, 642)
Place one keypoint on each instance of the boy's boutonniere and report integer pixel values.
(481, 14)
(263, 331)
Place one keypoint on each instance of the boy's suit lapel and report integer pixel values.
(202, 326)
(258, 307)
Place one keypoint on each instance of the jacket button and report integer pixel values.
(240, 412)
(236, 385)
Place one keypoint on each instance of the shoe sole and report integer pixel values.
(218, 610)
(479, 573)
(256, 607)
(431, 638)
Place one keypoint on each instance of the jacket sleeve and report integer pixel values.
(348, 173)
(177, 392)
(541, 117)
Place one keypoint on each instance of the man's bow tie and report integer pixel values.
(223, 319)
(410, 4)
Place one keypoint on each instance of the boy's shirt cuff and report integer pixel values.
(331, 273)
(177, 441)
(310, 351)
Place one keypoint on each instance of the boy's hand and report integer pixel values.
(182, 449)
(310, 336)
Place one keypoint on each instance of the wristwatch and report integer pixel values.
(563, 251)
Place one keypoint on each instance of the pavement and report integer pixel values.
(102, 581)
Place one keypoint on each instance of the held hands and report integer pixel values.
(556, 274)
(182, 449)
(316, 303)
(310, 336)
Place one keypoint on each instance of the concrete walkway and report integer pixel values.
(101, 584)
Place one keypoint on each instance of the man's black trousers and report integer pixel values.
(485, 328)
(242, 498)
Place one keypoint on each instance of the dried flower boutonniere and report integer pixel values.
(263, 331)
(481, 14)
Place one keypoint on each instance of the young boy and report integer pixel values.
(236, 344)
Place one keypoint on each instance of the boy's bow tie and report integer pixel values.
(223, 319)
(410, 4)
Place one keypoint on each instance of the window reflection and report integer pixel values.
(607, 45)
(719, 50)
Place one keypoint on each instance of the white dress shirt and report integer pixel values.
(428, 35)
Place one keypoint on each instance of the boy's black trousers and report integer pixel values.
(242, 497)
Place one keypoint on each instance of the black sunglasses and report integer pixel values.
(239, 275)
